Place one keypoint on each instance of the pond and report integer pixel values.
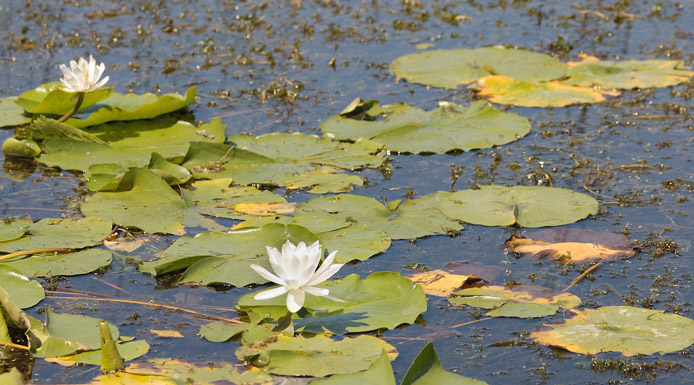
(287, 66)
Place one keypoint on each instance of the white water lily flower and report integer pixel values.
(83, 76)
(296, 273)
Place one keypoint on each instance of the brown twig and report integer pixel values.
(152, 304)
(470, 322)
(10, 344)
(580, 277)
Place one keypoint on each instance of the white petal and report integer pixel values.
(271, 293)
(317, 291)
(268, 275)
(295, 300)
(276, 261)
(324, 274)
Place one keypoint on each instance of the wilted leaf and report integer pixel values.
(382, 300)
(528, 206)
(317, 356)
(451, 67)
(576, 245)
(624, 329)
(627, 74)
(449, 127)
(166, 333)
(518, 302)
(507, 90)
(400, 220)
(441, 283)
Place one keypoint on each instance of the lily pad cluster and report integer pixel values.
(530, 79)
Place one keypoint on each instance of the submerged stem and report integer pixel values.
(80, 99)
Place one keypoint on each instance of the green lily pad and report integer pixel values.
(323, 180)
(379, 372)
(129, 144)
(528, 206)
(65, 334)
(12, 114)
(624, 329)
(51, 99)
(217, 198)
(163, 371)
(143, 200)
(426, 369)
(409, 129)
(230, 254)
(382, 300)
(507, 90)
(275, 158)
(13, 230)
(12, 377)
(353, 242)
(412, 218)
(22, 291)
(513, 303)
(45, 128)
(220, 332)
(14, 146)
(119, 107)
(317, 356)
(127, 350)
(451, 67)
(627, 74)
(81, 262)
(60, 233)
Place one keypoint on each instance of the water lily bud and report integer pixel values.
(20, 147)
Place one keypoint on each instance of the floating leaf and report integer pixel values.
(167, 371)
(317, 356)
(44, 128)
(150, 204)
(111, 360)
(11, 114)
(528, 206)
(410, 129)
(323, 180)
(575, 245)
(22, 291)
(441, 283)
(13, 146)
(172, 173)
(627, 74)
(624, 329)
(10, 231)
(119, 107)
(12, 377)
(451, 67)
(51, 99)
(507, 90)
(129, 144)
(382, 300)
(230, 254)
(519, 302)
(400, 220)
(61, 233)
(220, 332)
(216, 198)
(379, 372)
(426, 369)
(275, 158)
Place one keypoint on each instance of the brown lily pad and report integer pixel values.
(575, 244)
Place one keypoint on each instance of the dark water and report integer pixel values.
(235, 50)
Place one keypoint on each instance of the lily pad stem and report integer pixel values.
(80, 99)
(34, 251)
